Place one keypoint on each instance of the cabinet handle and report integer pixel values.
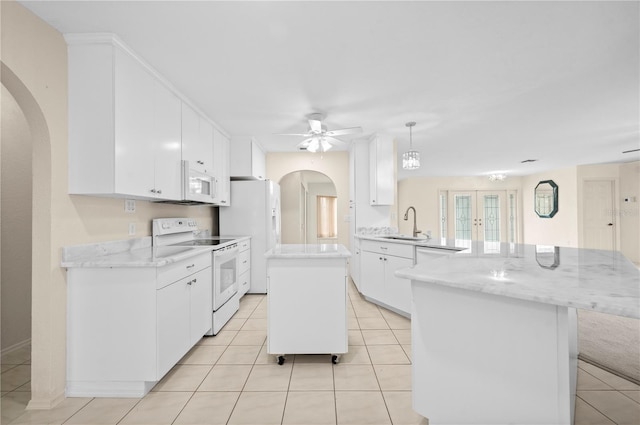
(223, 202)
(383, 247)
(200, 162)
(191, 281)
(159, 191)
(380, 258)
(152, 191)
(244, 262)
(191, 266)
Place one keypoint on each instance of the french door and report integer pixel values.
(479, 215)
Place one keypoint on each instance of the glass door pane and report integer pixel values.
(463, 210)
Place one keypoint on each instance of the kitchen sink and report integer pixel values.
(404, 238)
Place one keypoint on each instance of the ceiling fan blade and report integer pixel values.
(293, 134)
(334, 140)
(343, 131)
(315, 126)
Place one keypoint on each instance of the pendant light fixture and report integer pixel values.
(411, 158)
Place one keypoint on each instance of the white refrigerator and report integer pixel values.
(255, 212)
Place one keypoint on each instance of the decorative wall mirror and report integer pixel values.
(548, 257)
(546, 199)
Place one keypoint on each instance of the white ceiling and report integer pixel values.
(489, 83)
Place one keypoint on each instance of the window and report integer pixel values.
(327, 217)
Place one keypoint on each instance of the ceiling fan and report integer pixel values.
(318, 138)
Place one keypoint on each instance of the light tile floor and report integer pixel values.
(230, 379)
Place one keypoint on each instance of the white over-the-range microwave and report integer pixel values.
(197, 186)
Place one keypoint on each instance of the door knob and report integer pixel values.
(610, 224)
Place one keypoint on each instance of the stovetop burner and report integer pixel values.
(203, 242)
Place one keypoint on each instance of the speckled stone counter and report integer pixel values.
(603, 281)
(137, 252)
(310, 251)
(493, 329)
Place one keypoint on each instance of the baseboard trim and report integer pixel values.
(15, 347)
(45, 404)
(589, 360)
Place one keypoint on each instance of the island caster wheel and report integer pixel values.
(334, 359)
(280, 360)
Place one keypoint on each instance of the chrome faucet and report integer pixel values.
(406, 217)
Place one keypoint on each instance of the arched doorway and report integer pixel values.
(38, 240)
(309, 208)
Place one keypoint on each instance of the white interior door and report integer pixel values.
(598, 220)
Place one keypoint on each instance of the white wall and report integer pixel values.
(334, 165)
(34, 59)
(16, 224)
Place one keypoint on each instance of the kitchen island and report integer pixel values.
(494, 336)
(307, 300)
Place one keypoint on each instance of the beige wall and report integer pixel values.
(334, 165)
(315, 190)
(562, 228)
(629, 212)
(422, 194)
(16, 225)
(290, 207)
(34, 58)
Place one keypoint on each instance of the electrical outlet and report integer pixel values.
(132, 229)
(130, 205)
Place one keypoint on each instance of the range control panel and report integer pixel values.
(169, 226)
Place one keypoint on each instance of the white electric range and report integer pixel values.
(185, 232)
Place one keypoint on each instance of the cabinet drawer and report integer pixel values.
(181, 269)
(388, 248)
(244, 283)
(244, 245)
(244, 261)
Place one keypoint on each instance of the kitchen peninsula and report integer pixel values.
(307, 300)
(494, 329)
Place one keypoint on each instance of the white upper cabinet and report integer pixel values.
(197, 140)
(247, 158)
(381, 173)
(221, 169)
(124, 124)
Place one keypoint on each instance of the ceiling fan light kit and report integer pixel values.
(318, 138)
(411, 158)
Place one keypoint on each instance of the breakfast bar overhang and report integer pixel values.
(493, 330)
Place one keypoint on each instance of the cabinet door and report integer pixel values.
(167, 140)
(134, 119)
(381, 161)
(372, 275)
(201, 304)
(258, 166)
(197, 140)
(173, 324)
(397, 291)
(221, 169)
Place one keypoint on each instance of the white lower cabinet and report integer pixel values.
(127, 327)
(378, 263)
(244, 267)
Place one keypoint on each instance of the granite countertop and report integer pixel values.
(409, 240)
(137, 252)
(603, 281)
(308, 251)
